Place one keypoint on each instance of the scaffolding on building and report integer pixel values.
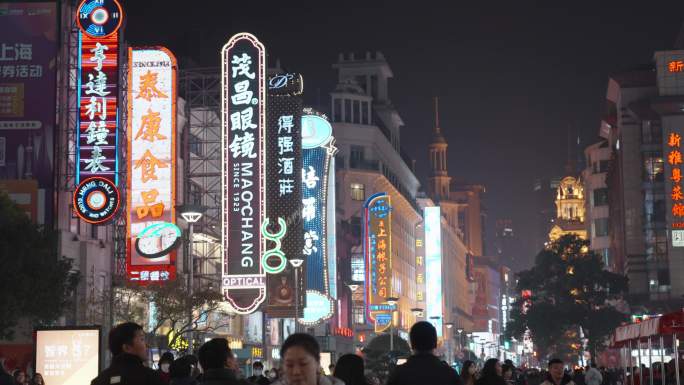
(201, 151)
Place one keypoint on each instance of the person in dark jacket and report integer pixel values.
(350, 369)
(129, 350)
(180, 372)
(257, 376)
(164, 365)
(423, 367)
(491, 373)
(218, 363)
(5, 378)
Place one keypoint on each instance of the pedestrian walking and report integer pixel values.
(257, 376)
(129, 351)
(218, 363)
(492, 373)
(468, 371)
(423, 367)
(593, 375)
(350, 369)
(164, 365)
(556, 374)
(507, 370)
(301, 358)
(180, 372)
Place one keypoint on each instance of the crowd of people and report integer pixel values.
(19, 377)
(215, 364)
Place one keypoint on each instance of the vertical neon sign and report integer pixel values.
(96, 198)
(433, 266)
(152, 153)
(243, 119)
(378, 249)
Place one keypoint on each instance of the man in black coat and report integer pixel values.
(129, 350)
(218, 363)
(423, 367)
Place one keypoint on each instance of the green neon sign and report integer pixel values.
(275, 251)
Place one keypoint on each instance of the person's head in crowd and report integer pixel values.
(507, 371)
(257, 368)
(556, 369)
(180, 368)
(468, 371)
(301, 358)
(165, 361)
(423, 337)
(19, 376)
(37, 379)
(216, 354)
(129, 338)
(491, 368)
(350, 369)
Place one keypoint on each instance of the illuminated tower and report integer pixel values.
(569, 209)
(439, 180)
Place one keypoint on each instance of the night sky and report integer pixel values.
(513, 77)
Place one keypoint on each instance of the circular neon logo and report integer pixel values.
(157, 240)
(99, 18)
(96, 200)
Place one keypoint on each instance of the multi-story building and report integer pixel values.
(642, 127)
(596, 197)
(544, 191)
(370, 160)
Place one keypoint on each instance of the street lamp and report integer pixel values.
(191, 214)
(352, 288)
(392, 301)
(417, 312)
(460, 340)
(296, 263)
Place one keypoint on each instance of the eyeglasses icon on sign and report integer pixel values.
(157, 240)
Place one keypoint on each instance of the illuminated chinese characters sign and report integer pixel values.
(318, 151)
(98, 115)
(152, 165)
(675, 66)
(433, 266)
(243, 171)
(378, 249)
(283, 192)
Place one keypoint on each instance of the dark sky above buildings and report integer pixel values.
(512, 76)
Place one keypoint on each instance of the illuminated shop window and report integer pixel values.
(357, 268)
(358, 191)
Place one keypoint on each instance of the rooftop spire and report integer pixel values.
(437, 129)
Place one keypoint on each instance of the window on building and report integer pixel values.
(651, 132)
(374, 86)
(195, 194)
(358, 314)
(357, 112)
(653, 167)
(357, 191)
(600, 197)
(603, 165)
(358, 272)
(601, 227)
(347, 110)
(93, 231)
(356, 156)
(337, 110)
(364, 113)
(664, 277)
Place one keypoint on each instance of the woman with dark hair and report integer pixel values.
(301, 362)
(491, 373)
(468, 371)
(38, 379)
(350, 369)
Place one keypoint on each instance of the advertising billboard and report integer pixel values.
(152, 166)
(243, 119)
(28, 52)
(378, 249)
(283, 192)
(68, 356)
(96, 198)
(433, 266)
(318, 152)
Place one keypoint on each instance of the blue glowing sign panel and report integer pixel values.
(318, 307)
(316, 131)
(433, 266)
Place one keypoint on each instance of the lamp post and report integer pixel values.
(460, 341)
(353, 286)
(392, 301)
(296, 263)
(191, 214)
(450, 355)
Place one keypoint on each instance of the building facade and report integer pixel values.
(596, 193)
